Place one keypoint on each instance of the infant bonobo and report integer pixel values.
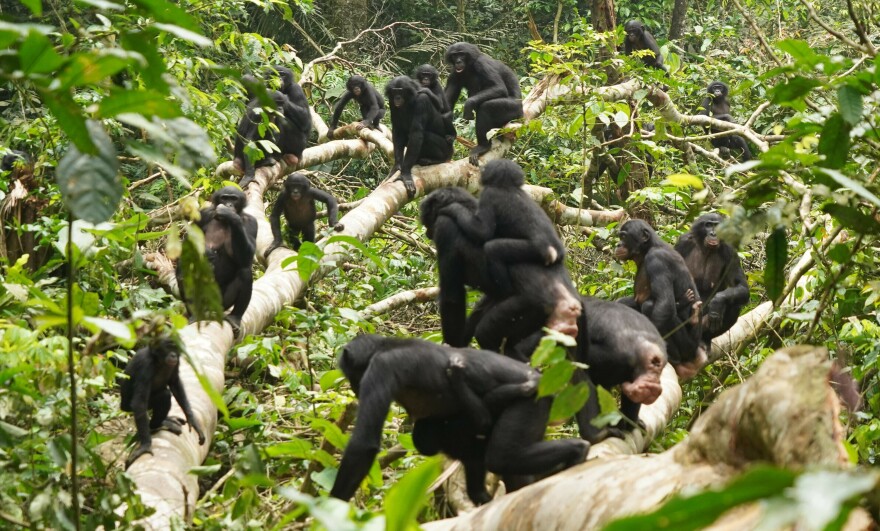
(297, 203)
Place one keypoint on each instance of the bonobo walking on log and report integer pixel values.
(662, 282)
(512, 226)
(153, 378)
(230, 244)
(297, 204)
(718, 274)
(539, 296)
(418, 130)
(443, 384)
(717, 106)
(493, 92)
(371, 103)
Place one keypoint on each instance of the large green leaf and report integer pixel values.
(774, 270)
(196, 277)
(569, 401)
(406, 498)
(144, 102)
(37, 55)
(851, 105)
(852, 218)
(89, 183)
(834, 142)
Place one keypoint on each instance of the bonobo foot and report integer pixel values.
(290, 159)
(235, 322)
(477, 152)
(408, 183)
(139, 451)
(173, 424)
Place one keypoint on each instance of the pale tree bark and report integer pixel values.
(786, 414)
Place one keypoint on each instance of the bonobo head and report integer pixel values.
(296, 185)
(717, 90)
(13, 159)
(635, 31)
(356, 85)
(645, 388)
(400, 91)
(230, 196)
(704, 230)
(165, 351)
(356, 356)
(461, 55)
(436, 200)
(502, 173)
(636, 237)
(286, 76)
(426, 75)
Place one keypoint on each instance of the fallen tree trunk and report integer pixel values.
(786, 414)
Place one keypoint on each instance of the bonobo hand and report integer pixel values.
(407, 180)
(270, 249)
(362, 125)
(330, 133)
(339, 227)
(225, 213)
(195, 425)
(141, 450)
(468, 113)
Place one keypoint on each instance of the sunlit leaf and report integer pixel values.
(407, 497)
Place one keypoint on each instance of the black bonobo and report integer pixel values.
(539, 296)
(153, 378)
(429, 79)
(484, 394)
(638, 37)
(718, 274)
(230, 244)
(662, 284)
(297, 204)
(287, 125)
(418, 130)
(492, 88)
(717, 106)
(371, 103)
(623, 349)
(510, 223)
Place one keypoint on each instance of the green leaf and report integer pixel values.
(840, 253)
(845, 181)
(548, 352)
(696, 512)
(330, 379)
(37, 55)
(406, 498)
(851, 105)
(792, 91)
(554, 378)
(800, 51)
(121, 331)
(834, 142)
(185, 34)
(69, 117)
(299, 448)
(357, 244)
(198, 288)
(36, 6)
(89, 69)
(351, 315)
(205, 470)
(774, 270)
(852, 218)
(144, 102)
(331, 432)
(164, 11)
(683, 180)
(308, 260)
(88, 183)
(569, 401)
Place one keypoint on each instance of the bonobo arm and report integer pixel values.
(493, 84)
(473, 405)
(338, 108)
(453, 295)
(297, 108)
(502, 395)
(243, 242)
(376, 393)
(400, 142)
(180, 395)
(375, 101)
(330, 201)
(479, 227)
(663, 315)
(734, 281)
(453, 90)
(142, 383)
(420, 115)
(275, 221)
(435, 101)
(705, 106)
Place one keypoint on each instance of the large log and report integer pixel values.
(786, 414)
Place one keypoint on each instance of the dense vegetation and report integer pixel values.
(129, 107)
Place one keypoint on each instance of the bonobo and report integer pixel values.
(717, 106)
(287, 126)
(512, 226)
(371, 104)
(662, 282)
(429, 79)
(417, 129)
(297, 203)
(639, 38)
(718, 274)
(493, 92)
(230, 243)
(540, 296)
(625, 349)
(427, 380)
(152, 378)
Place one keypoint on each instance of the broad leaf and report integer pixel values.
(88, 183)
(407, 497)
(834, 142)
(774, 270)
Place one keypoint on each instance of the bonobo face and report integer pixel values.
(172, 358)
(705, 228)
(397, 98)
(633, 31)
(296, 192)
(229, 196)
(459, 62)
(356, 90)
(626, 245)
(425, 80)
(717, 90)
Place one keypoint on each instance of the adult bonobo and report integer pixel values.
(718, 274)
(419, 133)
(492, 87)
(298, 125)
(230, 244)
(717, 106)
(371, 104)
(510, 223)
(438, 384)
(539, 295)
(429, 79)
(662, 282)
(638, 37)
(623, 349)
(297, 204)
(153, 378)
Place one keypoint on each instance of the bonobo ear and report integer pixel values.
(646, 234)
